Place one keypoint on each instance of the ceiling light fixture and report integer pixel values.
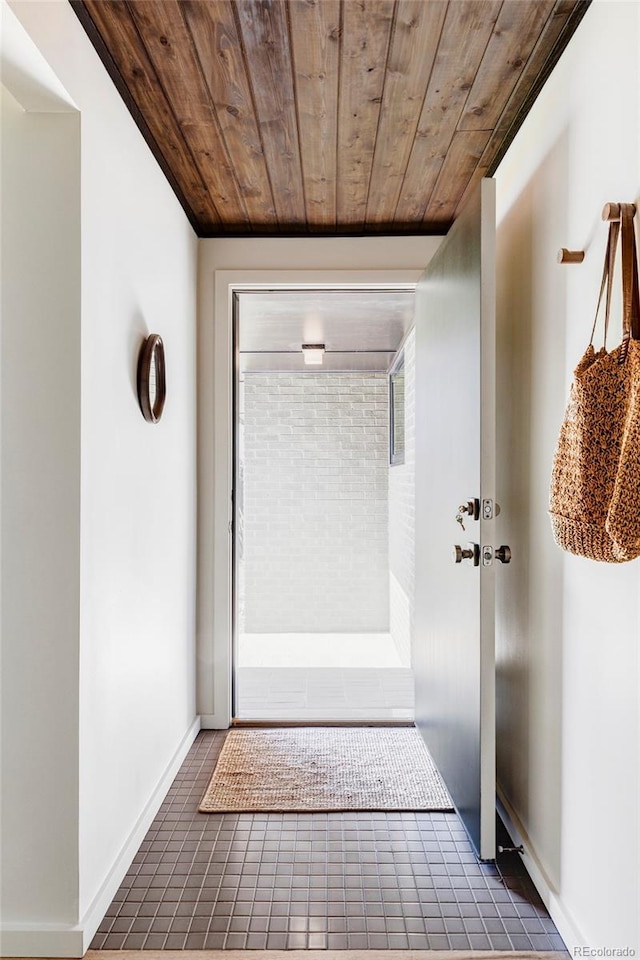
(313, 353)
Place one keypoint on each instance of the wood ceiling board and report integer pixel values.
(265, 36)
(141, 92)
(366, 32)
(288, 117)
(452, 77)
(514, 38)
(315, 41)
(168, 43)
(416, 33)
(463, 157)
(170, 49)
(217, 44)
(561, 25)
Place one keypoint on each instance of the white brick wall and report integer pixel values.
(402, 522)
(315, 537)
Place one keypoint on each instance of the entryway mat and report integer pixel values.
(322, 769)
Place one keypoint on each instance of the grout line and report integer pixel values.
(366, 875)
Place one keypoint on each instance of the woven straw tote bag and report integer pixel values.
(595, 483)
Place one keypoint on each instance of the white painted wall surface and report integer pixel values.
(315, 503)
(137, 481)
(402, 493)
(40, 600)
(222, 264)
(568, 638)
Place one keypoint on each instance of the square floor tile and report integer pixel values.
(370, 881)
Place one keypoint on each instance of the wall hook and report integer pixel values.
(611, 211)
(570, 256)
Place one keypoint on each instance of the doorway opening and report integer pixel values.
(323, 505)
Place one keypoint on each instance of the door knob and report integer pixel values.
(471, 551)
(503, 554)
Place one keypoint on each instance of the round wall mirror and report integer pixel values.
(152, 384)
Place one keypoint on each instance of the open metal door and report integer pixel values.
(455, 551)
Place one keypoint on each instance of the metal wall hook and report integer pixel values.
(570, 256)
(611, 211)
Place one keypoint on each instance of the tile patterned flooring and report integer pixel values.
(315, 881)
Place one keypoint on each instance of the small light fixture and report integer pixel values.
(313, 353)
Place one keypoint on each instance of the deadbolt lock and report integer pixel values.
(470, 551)
(471, 508)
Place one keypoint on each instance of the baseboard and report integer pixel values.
(93, 917)
(214, 721)
(566, 925)
(59, 940)
(40, 940)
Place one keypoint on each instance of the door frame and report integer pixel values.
(215, 445)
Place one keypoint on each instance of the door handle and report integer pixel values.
(471, 551)
(503, 554)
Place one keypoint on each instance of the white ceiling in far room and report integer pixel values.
(360, 329)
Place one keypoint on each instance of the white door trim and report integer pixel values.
(215, 443)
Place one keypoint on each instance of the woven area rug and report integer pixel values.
(301, 769)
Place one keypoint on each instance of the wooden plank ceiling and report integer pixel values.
(337, 117)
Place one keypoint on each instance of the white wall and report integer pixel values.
(134, 540)
(402, 495)
(568, 638)
(40, 601)
(223, 264)
(315, 503)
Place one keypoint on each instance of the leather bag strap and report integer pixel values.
(607, 279)
(630, 294)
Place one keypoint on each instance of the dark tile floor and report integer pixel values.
(341, 881)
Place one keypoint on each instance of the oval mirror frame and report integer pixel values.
(151, 369)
